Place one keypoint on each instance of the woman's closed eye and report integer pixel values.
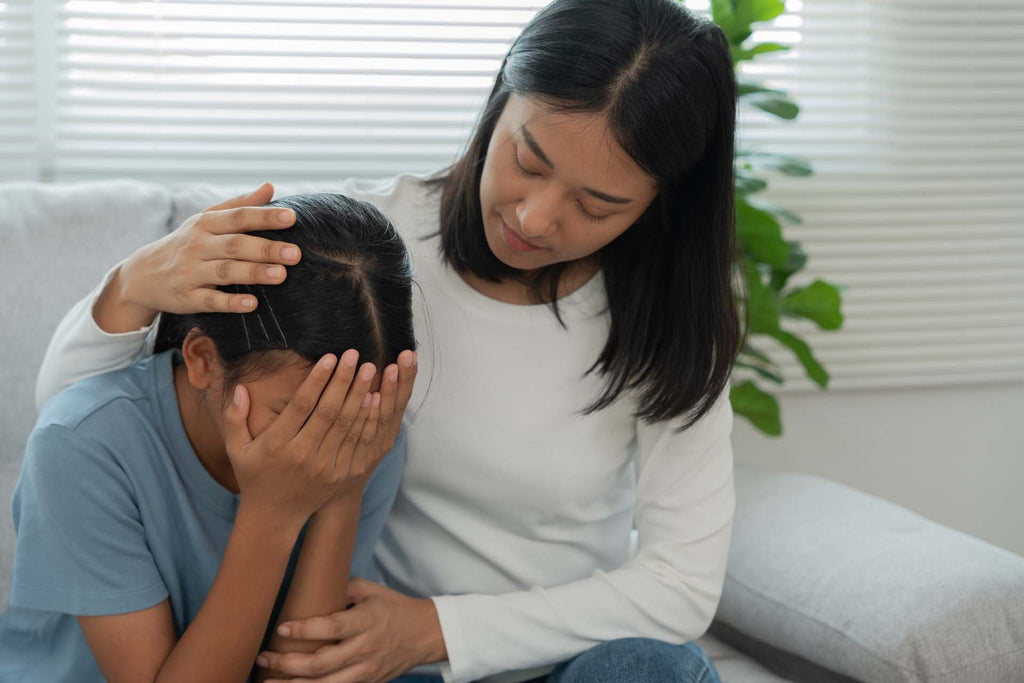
(579, 205)
(515, 160)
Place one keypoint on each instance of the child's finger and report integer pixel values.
(236, 424)
(298, 410)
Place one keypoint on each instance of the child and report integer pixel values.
(159, 506)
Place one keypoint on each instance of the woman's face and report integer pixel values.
(556, 186)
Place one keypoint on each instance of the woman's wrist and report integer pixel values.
(432, 645)
(115, 311)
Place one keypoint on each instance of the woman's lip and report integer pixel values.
(515, 241)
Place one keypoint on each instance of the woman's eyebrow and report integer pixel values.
(531, 142)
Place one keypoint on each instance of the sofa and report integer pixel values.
(824, 583)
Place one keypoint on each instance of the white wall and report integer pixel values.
(952, 454)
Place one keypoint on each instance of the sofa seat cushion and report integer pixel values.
(869, 589)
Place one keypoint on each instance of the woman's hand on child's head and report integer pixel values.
(180, 272)
(321, 446)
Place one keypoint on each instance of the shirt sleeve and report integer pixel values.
(378, 497)
(81, 548)
(80, 349)
(668, 591)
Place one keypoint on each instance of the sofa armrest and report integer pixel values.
(866, 588)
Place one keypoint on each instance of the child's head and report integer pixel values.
(351, 290)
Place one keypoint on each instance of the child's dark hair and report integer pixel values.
(664, 79)
(351, 290)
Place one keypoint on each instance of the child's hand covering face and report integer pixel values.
(321, 445)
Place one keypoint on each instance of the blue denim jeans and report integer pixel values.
(629, 660)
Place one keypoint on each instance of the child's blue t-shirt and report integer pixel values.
(114, 513)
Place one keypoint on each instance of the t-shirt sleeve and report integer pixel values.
(378, 497)
(668, 591)
(80, 349)
(81, 548)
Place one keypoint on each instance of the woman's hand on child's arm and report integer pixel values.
(180, 272)
(383, 635)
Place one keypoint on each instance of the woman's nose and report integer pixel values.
(536, 214)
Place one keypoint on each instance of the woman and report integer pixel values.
(575, 267)
(159, 505)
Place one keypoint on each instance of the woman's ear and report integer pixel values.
(201, 359)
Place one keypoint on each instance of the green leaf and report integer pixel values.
(776, 105)
(745, 87)
(761, 235)
(766, 373)
(748, 350)
(803, 353)
(748, 184)
(819, 301)
(736, 16)
(762, 307)
(757, 406)
(760, 10)
(778, 211)
(741, 54)
(783, 163)
(797, 261)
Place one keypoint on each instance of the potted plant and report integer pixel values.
(769, 260)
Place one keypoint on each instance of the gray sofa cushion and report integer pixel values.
(868, 589)
(57, 242)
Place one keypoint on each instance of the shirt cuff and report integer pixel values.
(452, 671)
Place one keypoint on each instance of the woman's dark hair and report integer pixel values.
(664, 80)
(351, 290)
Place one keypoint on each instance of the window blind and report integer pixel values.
(912, 116)
(18, 144)
(234, 90)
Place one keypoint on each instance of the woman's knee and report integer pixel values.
(638, 660)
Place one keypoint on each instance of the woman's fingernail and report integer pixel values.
(367, 371)
(290, 253)
(327, 361)
(366, 400)
(275, 271)
(284, 631)
(392, 373)
(262, 661)
(286, 217)
(407, 361)
(248, 302)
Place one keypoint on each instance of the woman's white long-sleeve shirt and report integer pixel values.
(515, 509)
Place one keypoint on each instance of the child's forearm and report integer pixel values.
(320, 583)
(221, 643)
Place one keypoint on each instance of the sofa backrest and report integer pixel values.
(57, 242)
